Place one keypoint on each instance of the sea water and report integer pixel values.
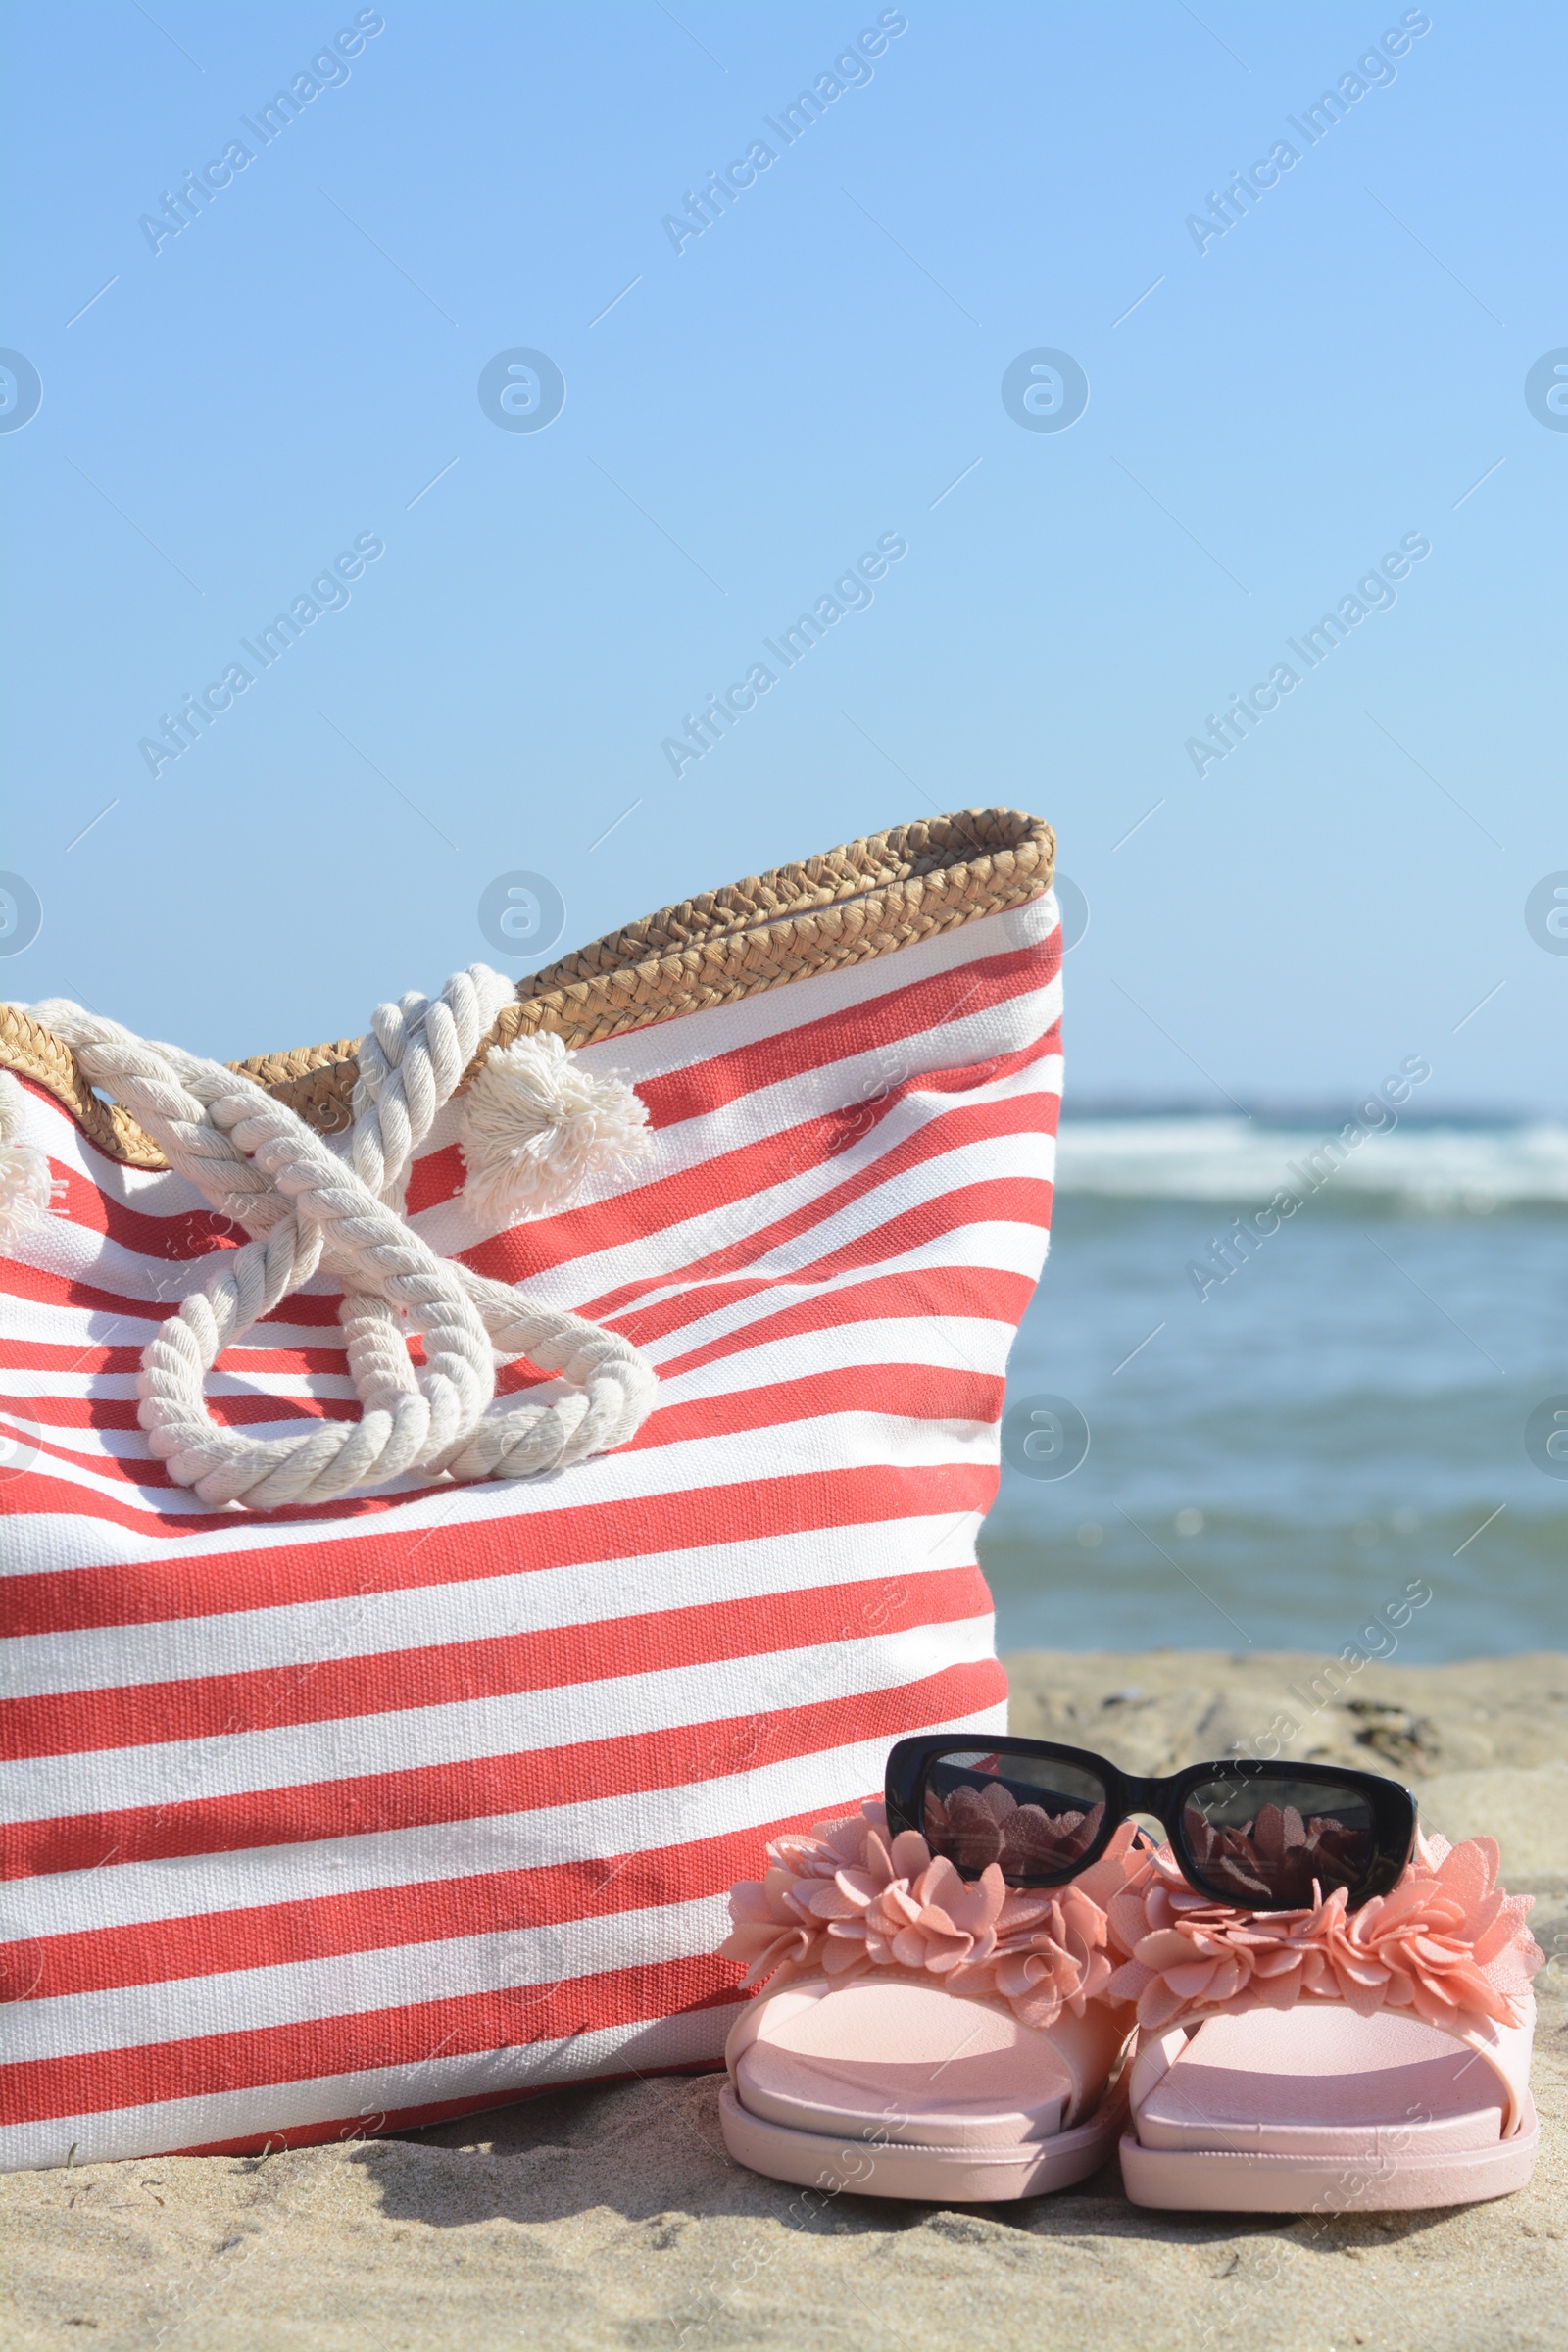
(1290, 1435)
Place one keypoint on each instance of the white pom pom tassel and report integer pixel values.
(536, 1125)
(26, 1188)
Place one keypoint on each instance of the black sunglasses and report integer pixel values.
(1257, 1835)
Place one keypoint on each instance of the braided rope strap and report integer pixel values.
(310, 1203)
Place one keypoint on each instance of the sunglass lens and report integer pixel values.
(1037, 1817)
(1274, 1840)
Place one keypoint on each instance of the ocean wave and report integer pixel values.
(1430, 1168)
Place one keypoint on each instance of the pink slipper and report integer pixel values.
(1329, 2060)
(923, 2035)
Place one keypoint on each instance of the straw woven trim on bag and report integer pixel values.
(866, 899)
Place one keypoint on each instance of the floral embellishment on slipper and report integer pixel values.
(849, 1899)
(1446, 1945)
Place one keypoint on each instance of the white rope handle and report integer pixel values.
(308, 1203)
(26, 1188)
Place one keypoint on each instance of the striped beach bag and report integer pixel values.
(467, 1488)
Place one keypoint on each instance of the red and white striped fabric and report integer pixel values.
(330, 1820)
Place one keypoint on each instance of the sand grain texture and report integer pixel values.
(612, 2216)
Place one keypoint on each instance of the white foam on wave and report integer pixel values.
(1213, 1158)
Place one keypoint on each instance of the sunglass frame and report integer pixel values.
(1393, 1807)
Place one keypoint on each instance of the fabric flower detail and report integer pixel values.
(851, 1898)
(1446, 1945)
(1052, 1954)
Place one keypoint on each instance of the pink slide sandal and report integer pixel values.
(1328, 2060)
(923, 2035)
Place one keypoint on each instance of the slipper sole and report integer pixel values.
(1234, 2180)
(832, 2162)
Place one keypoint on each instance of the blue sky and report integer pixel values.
(1271, 412)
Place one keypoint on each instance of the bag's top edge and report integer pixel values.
(869, 897)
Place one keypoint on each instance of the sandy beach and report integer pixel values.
(612, 2216)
